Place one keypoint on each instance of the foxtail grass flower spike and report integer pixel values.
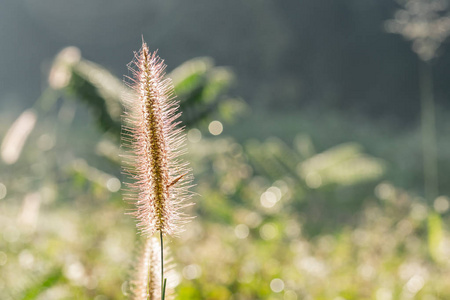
(146, 283)
(160, 179)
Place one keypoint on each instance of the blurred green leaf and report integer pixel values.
(200, 86)
(42, 285)
(343, 164)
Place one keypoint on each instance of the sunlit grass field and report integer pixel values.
(286, 209)
(308, 204)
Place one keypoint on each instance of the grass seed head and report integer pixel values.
(146, 283)
(160, 179)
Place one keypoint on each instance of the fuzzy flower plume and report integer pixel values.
(160, 179)
(146, 283)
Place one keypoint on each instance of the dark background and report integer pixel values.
(286, 54)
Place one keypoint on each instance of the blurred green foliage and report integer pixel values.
(275, 219)
(199, 85)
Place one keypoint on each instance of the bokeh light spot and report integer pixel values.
(113, 184)
(415, 284)
(418, 212)
(75, 272)
(268, 199)
(313, 180)
(192, 272)
(276, 191)
(441, 204)
(241, 231)
(194, 135)
(384, 191)
(277, 285)
(215, 127)
(268, 231)
(290, 295)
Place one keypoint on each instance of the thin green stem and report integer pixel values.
(163, 281)
(149, 277)
(164, 289)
